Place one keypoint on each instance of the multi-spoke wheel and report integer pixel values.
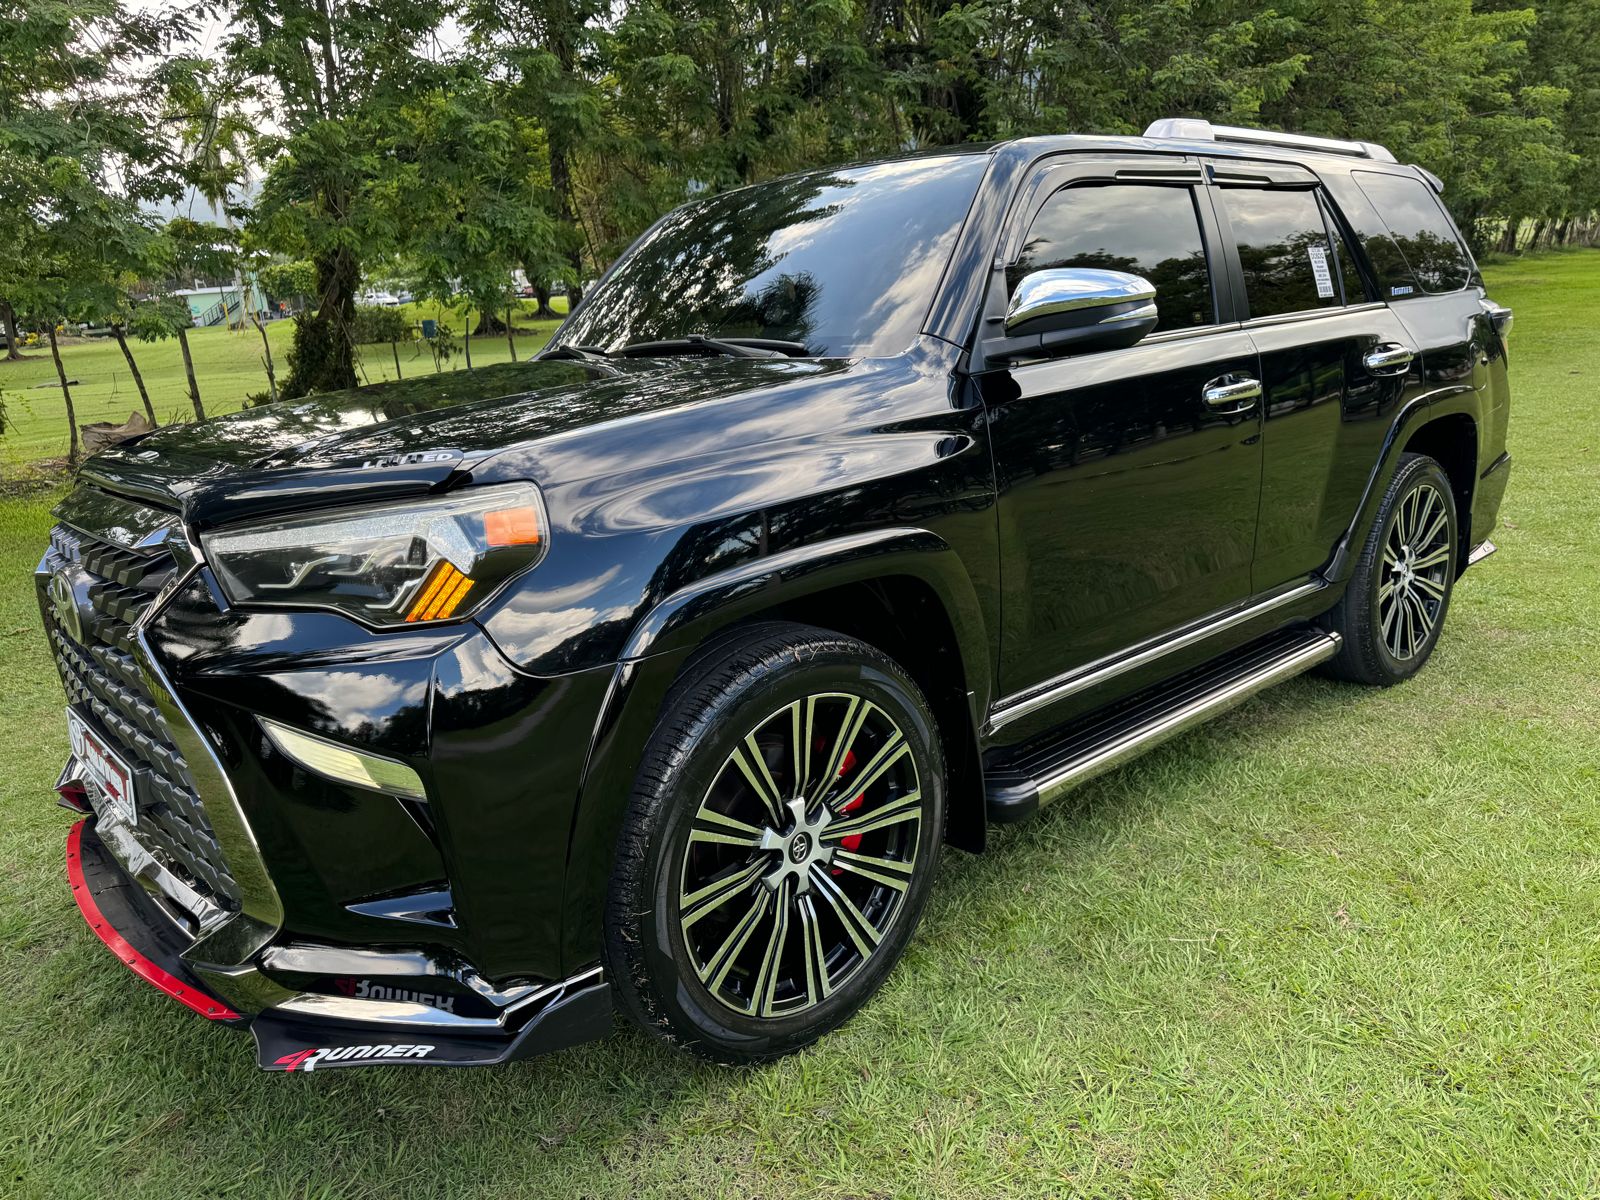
(779, 846)
(1392, 612)
(1416, 566)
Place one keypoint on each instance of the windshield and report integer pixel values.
(844, 261)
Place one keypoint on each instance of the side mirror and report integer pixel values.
(1075, 310)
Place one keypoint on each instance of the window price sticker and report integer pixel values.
(1320, 272)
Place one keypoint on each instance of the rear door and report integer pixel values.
(1422, 269)
(1334, 361)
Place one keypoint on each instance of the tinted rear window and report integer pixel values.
(1283, 250)
(1421, 233)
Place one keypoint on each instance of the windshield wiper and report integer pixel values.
(585, 353)
(734, 347)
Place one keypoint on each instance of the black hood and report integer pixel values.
(405, 437)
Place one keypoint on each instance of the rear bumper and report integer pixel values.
(312, 1030)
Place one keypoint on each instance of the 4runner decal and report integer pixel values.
(309, 1058)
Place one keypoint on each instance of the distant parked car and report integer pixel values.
(383, 299)
(847, 514)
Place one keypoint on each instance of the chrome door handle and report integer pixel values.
(1391, 358)
(1231, 391)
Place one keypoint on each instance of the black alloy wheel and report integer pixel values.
(779, 846)
(1394, 609)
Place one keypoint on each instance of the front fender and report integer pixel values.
(690, 615)
(664, 639)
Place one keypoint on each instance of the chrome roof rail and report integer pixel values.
(1195, 129)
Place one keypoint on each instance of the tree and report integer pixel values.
(119, 330)
(550, 53)
(81, 152)
(330, 78)
(465, 184)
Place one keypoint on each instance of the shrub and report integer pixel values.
(376, 323)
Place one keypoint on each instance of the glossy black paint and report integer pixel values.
(1010, 522)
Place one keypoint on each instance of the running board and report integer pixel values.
(1048, 768)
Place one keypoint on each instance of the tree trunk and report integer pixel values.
(188, 370)
(561, 185)
(467, 341)
(542, 295)
(323, 358)
(66, 394)
(1508, 239)
(511, 335)
(1538, 233)
(395, 347)
(266, 350)
(120, 334)
(9, 316)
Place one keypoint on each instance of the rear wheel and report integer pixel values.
(1394, 609)
(779, 846)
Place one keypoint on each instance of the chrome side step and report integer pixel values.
(1046, 770)
(1094, 674)
(1480, 552)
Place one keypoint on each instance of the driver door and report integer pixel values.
(1127, 499)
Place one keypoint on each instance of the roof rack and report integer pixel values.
(1196, 130)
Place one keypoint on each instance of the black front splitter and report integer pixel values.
(124, 917)
(290, 1041)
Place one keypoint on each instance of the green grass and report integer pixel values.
(228, 366)
(1341, 942)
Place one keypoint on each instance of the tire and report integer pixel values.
(1392, 613)
(710, 876)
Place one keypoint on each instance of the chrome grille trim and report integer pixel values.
(106, 680)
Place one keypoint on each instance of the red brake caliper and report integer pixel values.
(853, 841)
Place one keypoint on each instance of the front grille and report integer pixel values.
(106, 686)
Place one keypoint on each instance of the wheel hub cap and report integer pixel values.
(801, 846)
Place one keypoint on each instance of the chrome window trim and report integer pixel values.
(1302, 315)
(1030, 700)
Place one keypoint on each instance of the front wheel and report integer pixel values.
(779, 845)
(1391, 615)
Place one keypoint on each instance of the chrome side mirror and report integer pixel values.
(1075, 309)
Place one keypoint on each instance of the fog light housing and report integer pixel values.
(344, 765)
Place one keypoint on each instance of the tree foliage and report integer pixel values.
(448, 142)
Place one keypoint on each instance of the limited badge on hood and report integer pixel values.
(415, 458)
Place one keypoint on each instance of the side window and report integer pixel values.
(1355, 291)
(1420, 229)
(1145, 229)
(1283, 249)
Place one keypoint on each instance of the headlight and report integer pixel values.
(427, 560)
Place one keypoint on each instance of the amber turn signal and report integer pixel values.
(440, 596)
(511, 527)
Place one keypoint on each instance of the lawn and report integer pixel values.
(228, 364)
(1340, 942)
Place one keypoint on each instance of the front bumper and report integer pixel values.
(336, 922)
(314, 1031)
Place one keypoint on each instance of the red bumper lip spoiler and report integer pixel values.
(151, 972)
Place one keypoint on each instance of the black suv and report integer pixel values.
(850, 512)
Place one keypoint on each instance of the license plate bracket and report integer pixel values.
(110, 779)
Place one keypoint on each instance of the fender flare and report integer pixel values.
(666, 637)
(689, 615)
(1418, 412)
